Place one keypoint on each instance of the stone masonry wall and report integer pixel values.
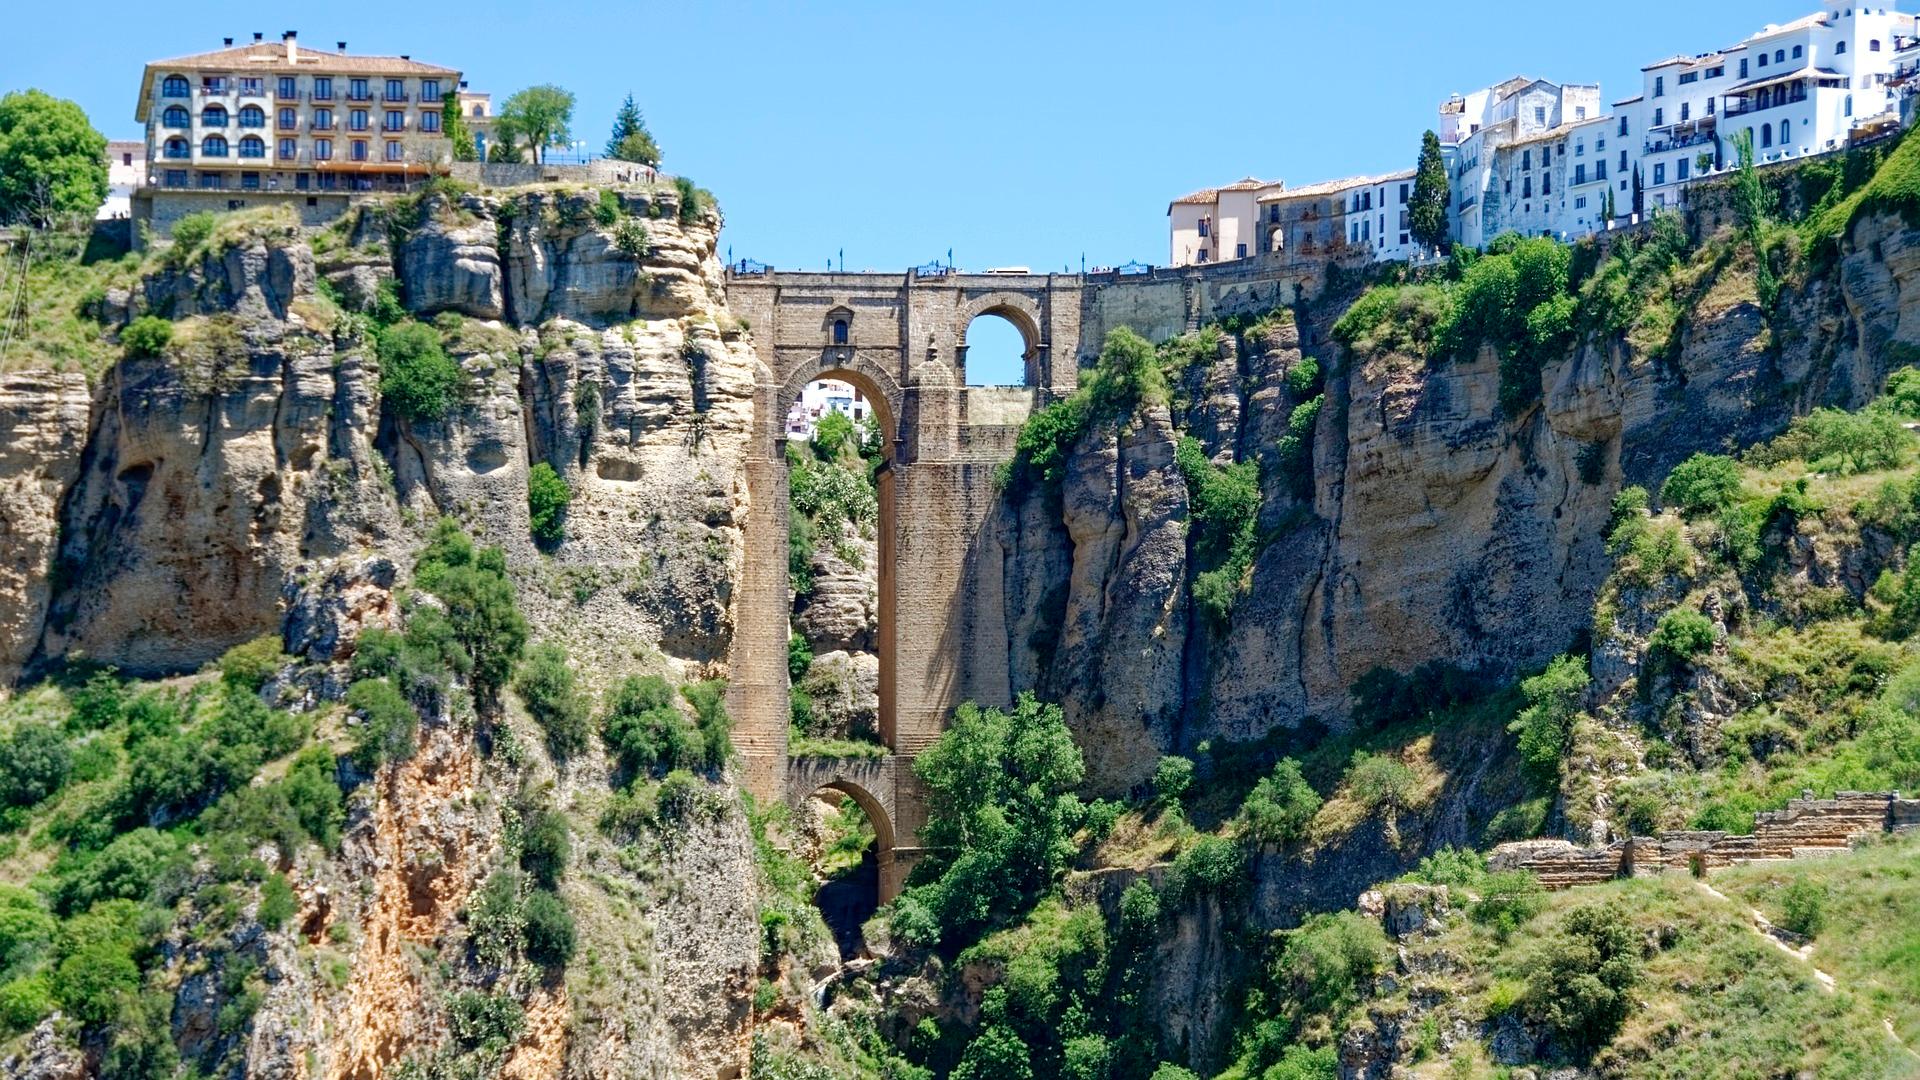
(1807, 826)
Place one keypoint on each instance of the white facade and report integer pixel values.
(1505, 148)
(126, 172)
(1377, 216)
(821, 397)
(1215, 224)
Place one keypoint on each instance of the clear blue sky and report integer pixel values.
(1012, 133)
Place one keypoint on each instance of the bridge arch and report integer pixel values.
(1020, 311)
(872, 783)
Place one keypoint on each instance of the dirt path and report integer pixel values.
(1803, 953)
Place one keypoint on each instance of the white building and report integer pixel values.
(1505, 147)
(821, 397)
(126, 173)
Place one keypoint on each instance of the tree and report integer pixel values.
(456, 129)
(631, 141)
(52, 161)
(1545, 726)
(547, 499)
(1639, 192)
(540, 115)
(1428, 209)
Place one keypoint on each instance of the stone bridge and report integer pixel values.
(901, 339)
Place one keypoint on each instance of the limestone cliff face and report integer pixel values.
(249, 482)
(1437, 528)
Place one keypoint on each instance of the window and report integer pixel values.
(176, 116)
(323, 88)
(1623, 127)
(1404, 191)
(394, 152)
(1779, 56)
(1786, 132)
(1540, 114)
(253, 86)
(1683, 167)
(323, 119)
(1579, 174)
(839, 331)
(303, 181)
(1659, 86)
(212, 180)
(1546, 184)
(1599, 170)
(1763, 59)
(322, 149)
(1710, 102)
(1239, 251)
(175, 86)
(214, 146)
(396, 90)
(1743, 67)
(1716, 72)
(288, 148)
(1689, 77)
(328, 181)
(429, 90)
(1580, 148)
(359, 150)
(1660, 174)
(357, 120)
(1623, 161)
(1200, 256)
(1847, 108)
(213, 116)
(1659, 117)
(429, 121)
(289, 87)
(357, 89)
(289, 120)
(253, 147)
(250, 181)
(1526, 159)
(1546, 156)
(1766, 134)
(396, 120)
(126, 159)
(479, 110)
(253, 116)
(1799, 51)
(176, 178)
(1686, 111)
(1526, 187)
(1873, 45)
(176, 148)
(1579, 112)
(1840, 48)
(1580, 203)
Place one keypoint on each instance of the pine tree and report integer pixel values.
(631, 141)
(1428, 210)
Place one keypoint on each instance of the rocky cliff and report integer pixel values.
(249, 480)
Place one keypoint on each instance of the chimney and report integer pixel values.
(257, 35)
(228, 42)
(292, 38)
(406, 56)
(343, 46)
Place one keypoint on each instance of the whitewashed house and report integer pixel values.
(1503, 147)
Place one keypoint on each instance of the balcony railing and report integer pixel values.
(328, 126)
(389, 126)
(400, 97)
(361, 96)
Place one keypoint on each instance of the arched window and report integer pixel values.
(1763, 59)
(1848, 109)
(213, 116)
(253, 147)
(839, 331)
(1840, 48)
(1873, 45)
(175, 86)
(1766, 135)
(479, 110)
(214, 146)
(1786, 133)
(1779, 56)
(176, 116)
(251, 116)
(177, 148)
(1766, 98)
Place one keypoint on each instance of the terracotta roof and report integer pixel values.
(1212, 194)
(272, 55)
(1328, 187)
(1786, 76)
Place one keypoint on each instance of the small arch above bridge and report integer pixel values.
(873, 783)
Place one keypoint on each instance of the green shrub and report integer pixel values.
(96, 981)
(1329, 962)
(546, 683)
(277, 902)
(147, 335)
(24, 1001)
(544, 847)
(389, 726)
(488, 1023)
(1303, 378)
(1380, 782)
(694, 202)
(1682, 634)
(549, 930)
(1582, 984)
(1171, 779)
(1459, 868)
(643, 728)
(1280, 807)
(1832, 440)
(1704, 483)
(1210, 865)
(417, 378)
(250, 664)
(1545, 726)
(192, 230)
(1167, 1070)
(547, 499)
(799, 657)
(125, 869)
(1897, 594)
(1903, 392)
(631, 238)
(482, 616)
(1508, 900)
(708, 699)
(1803, 904)
(607, 210)
(34, 763)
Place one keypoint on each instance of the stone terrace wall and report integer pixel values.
(518, 174)
(1806, 827)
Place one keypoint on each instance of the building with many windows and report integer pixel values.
(275, 122)
(1505, 147)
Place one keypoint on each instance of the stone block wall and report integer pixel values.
(1805, 827)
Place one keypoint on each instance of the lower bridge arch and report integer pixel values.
(873, 784)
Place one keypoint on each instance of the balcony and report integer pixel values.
(400, 98)
(359, 97)
(320, 95)
(394, 128)
(213, 91)
(328, 126)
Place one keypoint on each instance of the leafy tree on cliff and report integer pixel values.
(457, 131)
(1428, 209)
(52, 161)
(631, 141)
(540, 115)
